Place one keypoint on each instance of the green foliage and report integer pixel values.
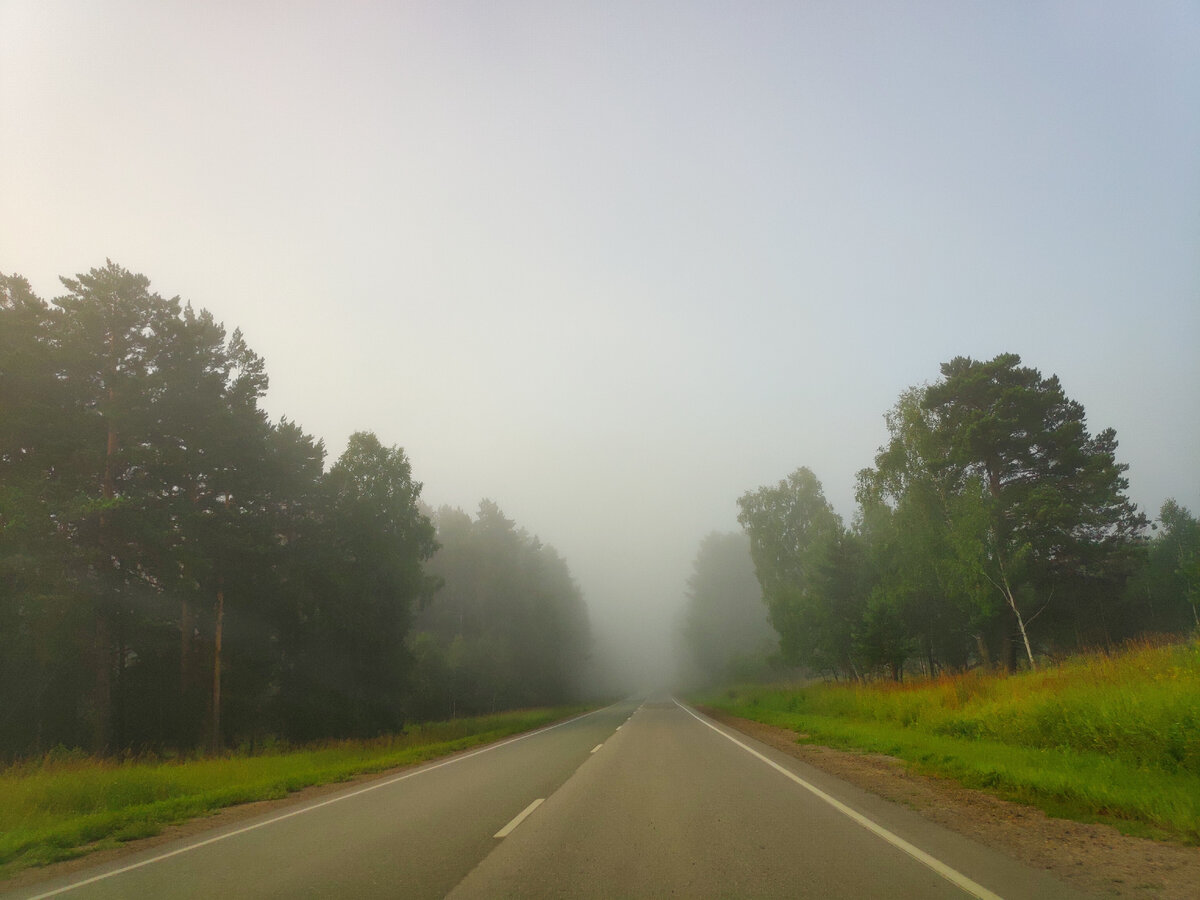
(177, 571)
(1112, 735)
(993, 525)
(507, 626)
(1050, 496)
(354, 671)
(725, 625)
(1165, 591)
(992, 522)
(792, 530)
(925, 534)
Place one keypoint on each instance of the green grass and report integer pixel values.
(65, 804)
(1109, 737)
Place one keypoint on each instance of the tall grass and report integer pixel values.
(1111, 736)
(66, 804)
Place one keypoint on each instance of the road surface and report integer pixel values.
(641, 799)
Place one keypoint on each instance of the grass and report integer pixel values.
(66, 804)
(1105, 737)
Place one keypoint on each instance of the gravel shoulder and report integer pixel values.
(1090, 857)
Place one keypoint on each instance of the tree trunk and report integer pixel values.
(1012, 603)
(1006, 590)
(39, 718)
(119, 713)
(985, 655)
(215, 739)
(187, 646)
(188, 676)
(102, 694)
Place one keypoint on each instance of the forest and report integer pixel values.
(178, 572)
(992, 531)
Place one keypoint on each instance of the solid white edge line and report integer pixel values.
(374, 786)
(951, 875)
(520, 817)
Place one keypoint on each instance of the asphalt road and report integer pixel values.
(642, 799)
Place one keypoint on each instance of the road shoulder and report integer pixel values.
(1091, 858)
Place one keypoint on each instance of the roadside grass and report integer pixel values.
(65, 805)
(1104, 737)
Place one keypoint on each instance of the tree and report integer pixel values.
(793, 530)
(113, 333)
(108, 447)
(41, 671)
(1181, 545)
(1052, 495)
(213, 448)
(1166, 589)
(923, 534)
(507, 627)
(169, 559)
(725, 620)
(357, 664)
(845, 584)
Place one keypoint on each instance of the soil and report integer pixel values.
(1091, 858)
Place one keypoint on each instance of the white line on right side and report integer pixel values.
(952, 875)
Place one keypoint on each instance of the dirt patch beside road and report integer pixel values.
(1091, 858)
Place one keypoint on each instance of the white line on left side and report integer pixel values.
(373, 786)
(520, 817)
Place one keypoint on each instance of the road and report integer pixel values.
(641, 799)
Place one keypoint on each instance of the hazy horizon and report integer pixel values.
(612, 265)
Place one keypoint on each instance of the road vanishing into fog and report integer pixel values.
(641, 799)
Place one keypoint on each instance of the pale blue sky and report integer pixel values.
(612, 264)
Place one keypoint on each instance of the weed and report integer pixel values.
(1107, 736)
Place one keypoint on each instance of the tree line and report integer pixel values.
(726, 634)
(177, 571)
(993, 530)
(509, 628)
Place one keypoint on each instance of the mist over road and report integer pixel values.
(641, 799)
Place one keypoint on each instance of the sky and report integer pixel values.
(613, 264)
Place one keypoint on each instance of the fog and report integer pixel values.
(611, 265)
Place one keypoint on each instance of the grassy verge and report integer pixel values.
(1113, 737)
(64, 806)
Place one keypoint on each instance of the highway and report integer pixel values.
(641, 799)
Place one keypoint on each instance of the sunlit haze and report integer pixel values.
(613, 264)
